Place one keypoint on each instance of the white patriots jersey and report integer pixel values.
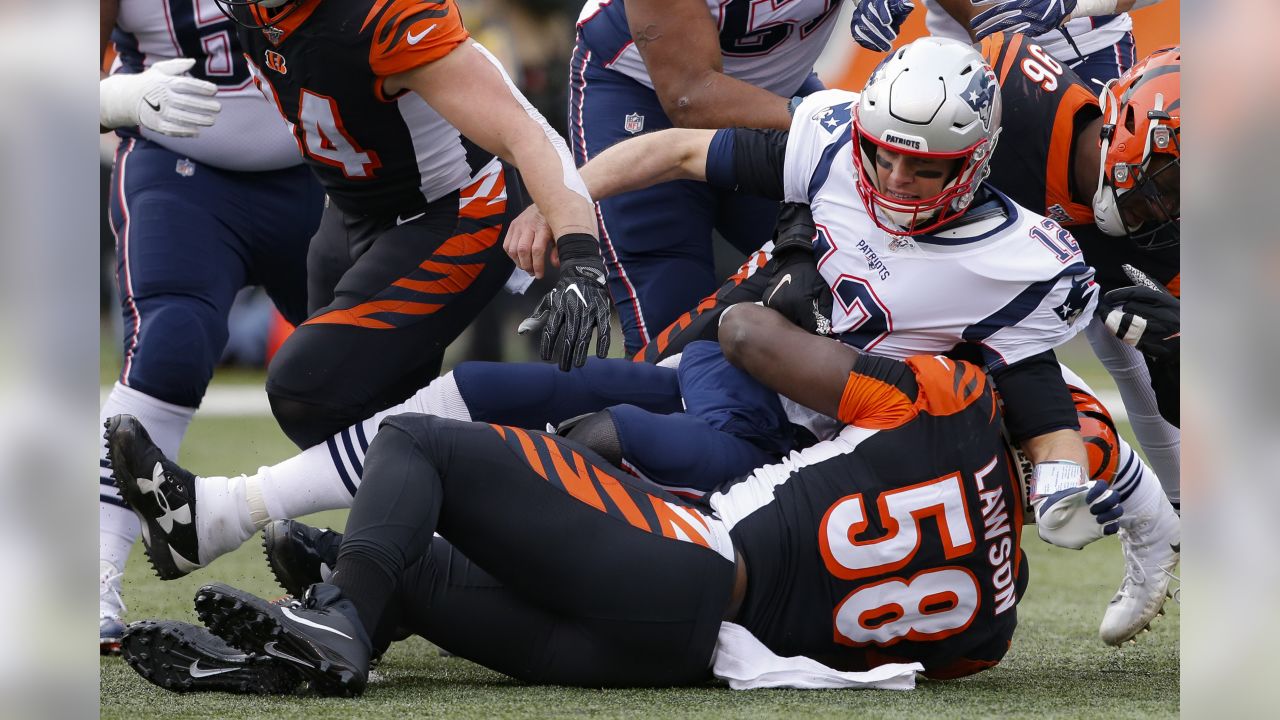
(1014, 283)
(1090, 34)
(771, 44)
(248, 134)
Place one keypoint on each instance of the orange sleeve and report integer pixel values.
(946, 386)
(410, 33)
(874, 404)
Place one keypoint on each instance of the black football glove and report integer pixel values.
(578, 304)
(797, 289)
(1146, 318)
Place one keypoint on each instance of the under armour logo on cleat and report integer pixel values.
(169, 515)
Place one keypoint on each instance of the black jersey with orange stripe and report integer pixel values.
(322, 65)
(898, 540)
(1045, 106)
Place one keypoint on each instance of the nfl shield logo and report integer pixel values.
(185, 167)
(273, 34)
(633, 123)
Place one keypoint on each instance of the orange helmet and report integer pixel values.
(1138, 180)
(1101, 441)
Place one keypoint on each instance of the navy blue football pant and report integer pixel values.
(553, 567)
(1109, 63)
(657, 242)
(694, 428)
(188, 237)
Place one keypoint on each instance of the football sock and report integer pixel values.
(322, 477)
(1139, 489)
(1160, 441)
(166, 423)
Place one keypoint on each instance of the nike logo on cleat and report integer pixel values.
(1176, 547)
(271, 649)
(316, 625)
(199, 672)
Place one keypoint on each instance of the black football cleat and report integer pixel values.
(161, 493)
(182, 657)
(299, 555)
(321, 637)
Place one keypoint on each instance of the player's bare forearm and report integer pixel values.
(636, 163)
(809, 369)
(470, 90)
(553, 182)
(680, 45)
(1063, 444)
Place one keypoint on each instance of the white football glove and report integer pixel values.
(160, 98)
(1074, 516)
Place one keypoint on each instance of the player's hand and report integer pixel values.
(1146, 318)
(527, 240)
(799, 292)
(1033, 17)
(875, 23)
(576, 306)
(1077, 516)
(160, 98)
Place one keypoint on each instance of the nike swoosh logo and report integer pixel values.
(786, 280)
(1177, 334)
(271, 649)
(415, 37)
(303, 621)
(153, 106)
(574, 289)
(402, 221)
(1176, 547)
(199, 672)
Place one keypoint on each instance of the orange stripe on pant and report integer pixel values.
(575, 479)
(359, 315)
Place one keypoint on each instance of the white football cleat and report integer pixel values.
(110, 609)
(1151, 549)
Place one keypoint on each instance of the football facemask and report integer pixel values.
(1139, 173)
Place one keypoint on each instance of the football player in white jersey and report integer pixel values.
(199, 210)
(919, 254)
(1093, 37)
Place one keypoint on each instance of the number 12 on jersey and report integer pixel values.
(931, 604)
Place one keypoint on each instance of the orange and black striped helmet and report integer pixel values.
(1138, 181)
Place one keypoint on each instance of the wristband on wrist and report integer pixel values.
(792, 104)
(574, 246)
(1054, 476)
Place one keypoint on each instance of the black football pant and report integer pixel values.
(387, 295)
(555, 568)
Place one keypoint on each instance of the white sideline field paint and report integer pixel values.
(238, 400)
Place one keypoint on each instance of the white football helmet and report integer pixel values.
(933, 98)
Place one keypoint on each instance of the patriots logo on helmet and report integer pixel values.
(980, 95)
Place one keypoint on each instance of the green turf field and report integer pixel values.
(1056, 668)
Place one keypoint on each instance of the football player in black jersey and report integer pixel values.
(895, 542)
(400, 115)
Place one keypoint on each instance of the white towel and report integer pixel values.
(745, 663)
